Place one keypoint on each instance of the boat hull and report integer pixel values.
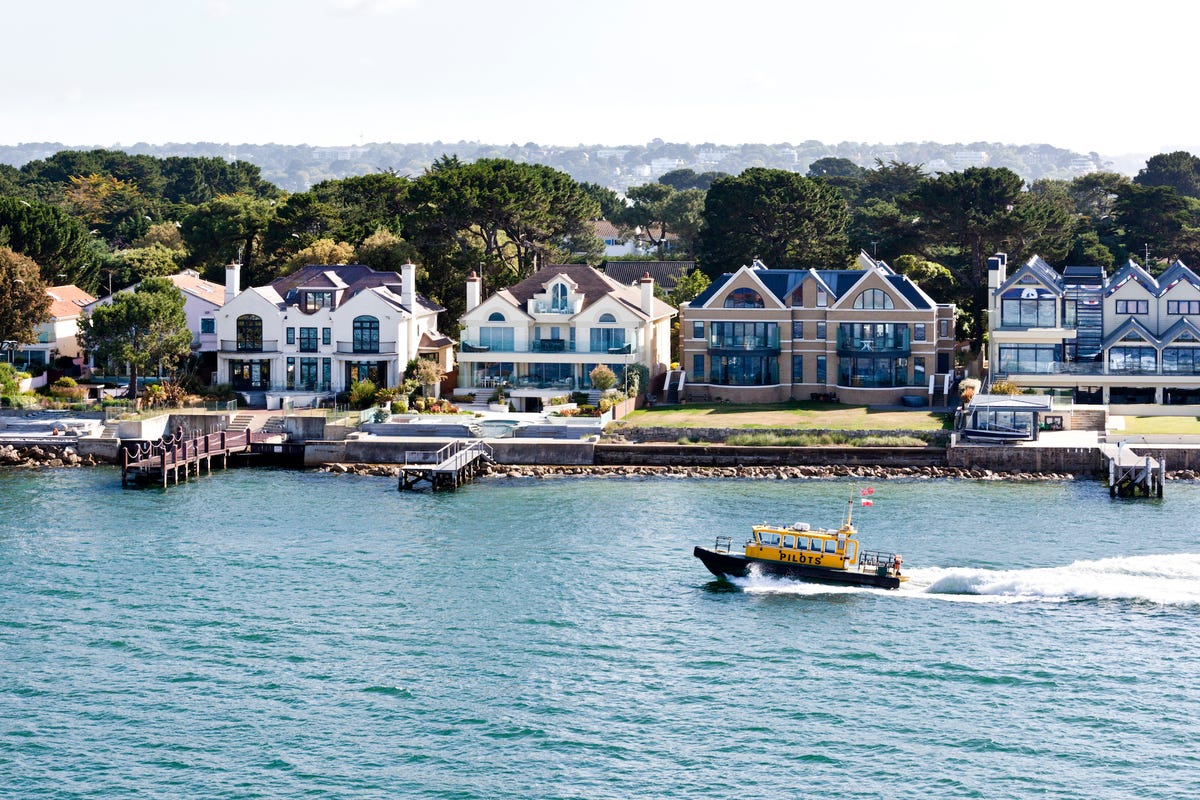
(735, 565)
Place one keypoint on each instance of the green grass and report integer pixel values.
(1166, 425)
(802, 415)
(767, 439)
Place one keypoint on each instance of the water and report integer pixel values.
(285, 634)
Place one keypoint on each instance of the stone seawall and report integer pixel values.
(672, 455)
(646, 435)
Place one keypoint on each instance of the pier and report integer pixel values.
(1133, 475)
(165, 460)
(447, 467)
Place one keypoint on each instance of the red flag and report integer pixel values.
(867, 492)
(866, 502)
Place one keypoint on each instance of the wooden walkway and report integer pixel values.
(164, 461)
(1133, 475)
(447, 467)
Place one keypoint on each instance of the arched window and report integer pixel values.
(607, 318)
(744, 298)
(558, 298)
(495, 316)
(366, 335)
(249, 333)
(873, 299)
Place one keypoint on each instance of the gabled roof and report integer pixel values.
(435, 341)
(190, 282)
(1175, 274)
(67, 301)
(1184, 325)
(1130, 325)
(838, 282)
(1132, 272)
(1040, 271)
(350, 279)
(591, 283)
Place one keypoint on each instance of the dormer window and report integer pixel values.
(310, 301)
(558, 299)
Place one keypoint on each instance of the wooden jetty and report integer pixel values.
(1133, 475)
(447, 467)
(165, 460)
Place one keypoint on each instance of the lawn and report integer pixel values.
(798, 416)
(1148, 425)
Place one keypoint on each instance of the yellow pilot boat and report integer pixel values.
(812, 554)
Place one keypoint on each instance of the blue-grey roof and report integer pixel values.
(781, 282)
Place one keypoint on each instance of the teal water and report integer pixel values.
(286, 634)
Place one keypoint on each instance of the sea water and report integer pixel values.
(264, 633)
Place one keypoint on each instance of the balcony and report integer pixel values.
(264, 346)
(366, 348)
(485, 351)
(897, 343)
(743, 343)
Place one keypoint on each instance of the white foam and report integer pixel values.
(1164, 579)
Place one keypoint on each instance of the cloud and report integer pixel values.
(374, 8)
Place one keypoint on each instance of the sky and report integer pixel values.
(1102, 76)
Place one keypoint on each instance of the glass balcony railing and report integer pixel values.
(366, 348)
(896, 342)
(548, 346)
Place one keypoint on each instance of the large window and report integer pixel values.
(311, 301)
(874, 299)
(743, 335)
(873, 337)
(308, 340)
(1028, 359)
(822, 375)
(254, 374)
(742, 370)
(558, 299)
(249, 333)
(918, 370)
(366, 335)
(744, 298)
(872, 371)
(698, 368)
(308, 374)
(1018, 311)
(1181, 360)
(373, 371)
(1133, 359)
(496, 338)
(606, 339)
(1134, 307)
(1183, 306)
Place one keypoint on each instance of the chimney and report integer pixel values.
(233, 280)
(997, 270)
(408, 286)
(647, 284)
(474, 290)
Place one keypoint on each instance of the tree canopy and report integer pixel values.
(142, 328)
(24, 303)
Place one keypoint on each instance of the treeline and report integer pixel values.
(104, 219)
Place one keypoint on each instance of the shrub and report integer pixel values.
(1005, 387)
(65, 383)
(579, 398)
(602, 377)
(362, 394)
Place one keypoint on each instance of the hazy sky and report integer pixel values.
(1104, 76)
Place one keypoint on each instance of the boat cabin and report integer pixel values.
(799, 544)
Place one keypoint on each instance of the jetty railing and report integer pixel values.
(181, 451)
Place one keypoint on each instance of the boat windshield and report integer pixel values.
(769, 539)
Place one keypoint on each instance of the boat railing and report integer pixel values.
(876, 558)
(724, 543)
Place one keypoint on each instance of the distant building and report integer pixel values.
(311, 334)
(665, 273)
(59, 335)
(863, 335)
(1128, 338)
(543, 336)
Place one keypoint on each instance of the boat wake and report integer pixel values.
(1172, 580)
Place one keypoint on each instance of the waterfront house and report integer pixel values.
(201, 301)
(543, 336)
(58, 335)
(866, 335)
(1129, 338)
(313, 333)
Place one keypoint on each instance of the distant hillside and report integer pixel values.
(298, 167)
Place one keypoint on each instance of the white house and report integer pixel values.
(58, 336)
(317, 331)
(544, 335)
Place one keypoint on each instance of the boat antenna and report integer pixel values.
(850, 505)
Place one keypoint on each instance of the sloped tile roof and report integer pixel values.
(67, 301)
(665, 273)
(591, 283)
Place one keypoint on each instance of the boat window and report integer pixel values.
(771, 539)
(830, 546)
(789, 541)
